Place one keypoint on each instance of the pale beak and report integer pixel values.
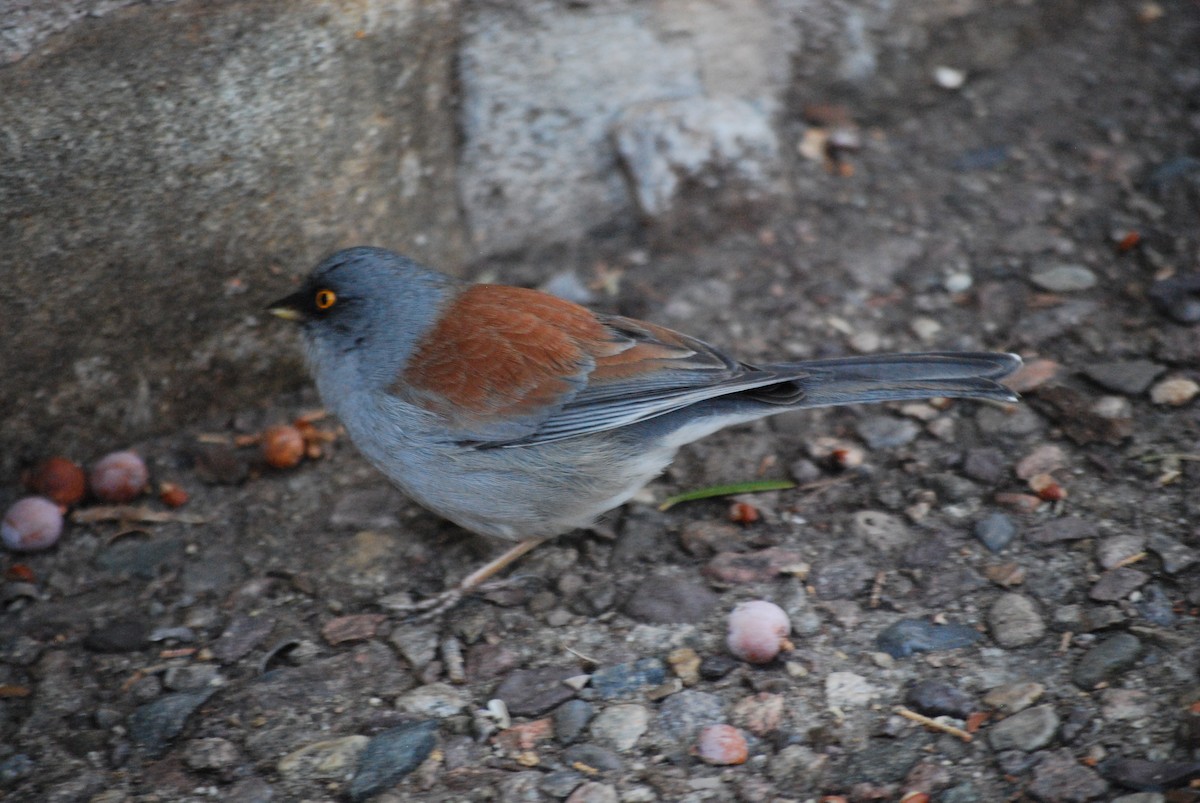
(290, 308)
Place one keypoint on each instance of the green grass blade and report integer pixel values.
(756, 486)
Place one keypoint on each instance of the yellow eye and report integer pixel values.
(324, 299)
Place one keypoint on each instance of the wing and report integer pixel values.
(508, 367)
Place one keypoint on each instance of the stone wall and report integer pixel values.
(166, 168)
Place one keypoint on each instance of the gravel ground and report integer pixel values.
(1027, 579)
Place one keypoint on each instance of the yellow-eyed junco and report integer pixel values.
(519, 415)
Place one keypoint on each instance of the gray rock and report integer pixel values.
(190, 677)
(987, 465)
(277, 133)
(1013, 697)
(593, 756)
(669, 147)
(154, 725)
(1156, 606)
(1116, 584)
(682, 715)
(1131, 377)
(887, 432)
(1068, 528)
(1064, 278)
(594, 792)
(934, 699)
(670, 599)
(1114, 549)
(543, 85)
(907, 636)
(1015, 621)
(620, 680)
(1060, 778)
(620, 726)
(1107, 659)
(243, 634)
(213, 753)
(390, 756)
(560, 783)
(436, 700)
(532, 692)
(1125, 704)
(881, 532)
(840, 579)
(570, 719)
(1174, 555)
(996, 531)
(1028, 730)
(326, 759)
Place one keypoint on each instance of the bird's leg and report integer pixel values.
(440, 603)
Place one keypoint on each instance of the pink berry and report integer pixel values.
(31, 524)
(721, 745)
(119, 477)
(758, 630)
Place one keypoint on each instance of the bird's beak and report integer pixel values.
(290, 308)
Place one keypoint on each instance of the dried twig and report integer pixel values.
(934, 724)
(131, 513)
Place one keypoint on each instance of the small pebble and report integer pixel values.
(949, 77)
(887, 432)
(1064, 278)
(532, 692)
(757, 631)
(1014, 697)
(620, 726)
(848, 690)
(934, 699)
(326, 759)
(1156, 607)
(1028, 730)
(682, 715)
(1174, 392)
(670, 599)
(907, 636)
(119, 477)
(570, 719)
(1157, 776)
(155, 724)
(1117, 584)
(760, 714)
(1107, 659)
(212, 753)
(1130, 377)
(620, 680)
(1043, 460)
(1060, 778)
(721, 745)
(390, 756)
(1115, 549)
(996, 531)
(433, 700)
(31, 524)
(592, 755)
(987, 465)
(1015, 621)
(58, 479)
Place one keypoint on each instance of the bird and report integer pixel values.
(521, 416)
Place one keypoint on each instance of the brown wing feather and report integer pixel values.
(506, 352)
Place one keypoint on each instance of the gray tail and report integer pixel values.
(902, 377)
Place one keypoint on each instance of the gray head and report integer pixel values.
(362, 311)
